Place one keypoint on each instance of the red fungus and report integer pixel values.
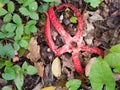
(72, 44)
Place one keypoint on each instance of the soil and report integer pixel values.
(102, 32)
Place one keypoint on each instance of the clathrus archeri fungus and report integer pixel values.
(72, 44)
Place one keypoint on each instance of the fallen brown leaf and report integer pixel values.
(34, 50)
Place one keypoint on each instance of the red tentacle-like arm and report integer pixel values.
(69, 41)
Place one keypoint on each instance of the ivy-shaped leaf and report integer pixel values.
(100, 75)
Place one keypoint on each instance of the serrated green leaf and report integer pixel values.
(33, 6)
(24, 44)
(2, 64)
(34, 15)
(94, 3)
(24, 11)
(43, 7)
(10, 35)
(3, 11)
(30, 27)
(25, 65)
(8, 63)
(27, 2)
(7, 18)
(31, 70)
(2, 52)
(73, 84)
(17, 19)
(100, 75)
(19, 81)
(9, 51)
(11, 7)
(6, 88)
(49, 0)
(10, 27)
(19, 32)
(2, 35)
(4, 1)
(9, 73)
(16, 46)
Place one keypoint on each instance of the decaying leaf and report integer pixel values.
(56, 67)
(34, 55)
(34, 50)
(40, 67)
(88, 66)
(67, 63)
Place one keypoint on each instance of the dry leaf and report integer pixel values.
(88, 66)
(34, 50)
(40, 67)
(56, 67)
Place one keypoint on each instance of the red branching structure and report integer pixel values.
(72, 44)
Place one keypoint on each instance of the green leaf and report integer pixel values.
(7, 18)
(43, 7)
(11, 7)
(8, 63)
(73, 19)
(117, 69)
(100, 75)
(24, 11)
(19, 81)
(19, 32)
(31, 70)
(10, 34)
(20, 1)
(49, 0)
(9, 73)
(4, 1)
(94, 3)
(113, 59)
(2, 64)
(73, 84)
(33, 6)
(10, 27)
(9, 51)
(30, 27)
(17, 19)
(115, 48)
(27, 2)
(3, 11)
(2, 52)
(25, 65)
(16, 46)
(34, 15)
(23, 43)
(6, 88)
(2, 35)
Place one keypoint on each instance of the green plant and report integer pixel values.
(94, 3)
(8, 14)
(73, 19)
(16, 73)
(6, 88)
(73, 84)
(101, 73)
(4, 1)
(29, 8)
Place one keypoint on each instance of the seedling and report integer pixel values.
(29, 8)
(72, 44)
(8, 14)
(73, 84)
(16, 73)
